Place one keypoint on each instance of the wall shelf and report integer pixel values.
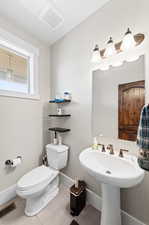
(54, 101)
(63, 115)
(59, 129)
(56, 115)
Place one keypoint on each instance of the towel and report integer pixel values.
(143, 129)
(143, 138)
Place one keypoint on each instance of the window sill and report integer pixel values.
(19, 95)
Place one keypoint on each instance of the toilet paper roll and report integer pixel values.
(16, 162)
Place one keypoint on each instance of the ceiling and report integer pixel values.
(62, 15)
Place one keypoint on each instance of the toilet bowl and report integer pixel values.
(41, 184)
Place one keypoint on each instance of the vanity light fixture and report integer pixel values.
(96, 55)
(110, 50)
(128, 41)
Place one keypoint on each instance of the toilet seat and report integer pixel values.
(36, 179)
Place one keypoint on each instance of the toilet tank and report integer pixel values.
(57, 156)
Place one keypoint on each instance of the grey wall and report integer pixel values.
(105, 95)
(22, 121)
(71, 71)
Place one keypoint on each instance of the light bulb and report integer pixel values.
(96, 55)
(117, 63)
(110, 50)
(128, 41)
(104, 66)
(132, 58)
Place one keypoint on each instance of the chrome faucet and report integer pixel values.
(121, 152)
(110, 147)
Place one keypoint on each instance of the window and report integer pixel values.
(14, 72)
(18, 68)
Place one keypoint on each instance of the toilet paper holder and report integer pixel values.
(9, 162)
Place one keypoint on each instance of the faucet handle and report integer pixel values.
(121, 152)
(103, 148)
(110, 147)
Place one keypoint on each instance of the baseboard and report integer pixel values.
(96, 201)
(7, 194)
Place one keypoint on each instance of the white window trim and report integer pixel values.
(10, 41)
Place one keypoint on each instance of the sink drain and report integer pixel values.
(108, 172)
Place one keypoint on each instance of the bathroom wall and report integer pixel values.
(22, 121)
(71, 71)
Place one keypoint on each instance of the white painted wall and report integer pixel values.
(22, 121)
(71, 71)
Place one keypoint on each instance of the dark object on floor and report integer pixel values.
(74, 223)
(7, 209)
(77, 198)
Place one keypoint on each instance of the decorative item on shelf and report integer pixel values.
(67, 95)
(59, 139)
(110, 55)
(55, 140)
(59, 111)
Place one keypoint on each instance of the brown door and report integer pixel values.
(131, 101)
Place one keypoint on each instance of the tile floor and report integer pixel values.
(56, 213)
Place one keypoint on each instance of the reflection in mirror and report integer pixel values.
(118, 97)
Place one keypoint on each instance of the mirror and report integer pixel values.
(118, 96)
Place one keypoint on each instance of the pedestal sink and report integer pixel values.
(113, 172)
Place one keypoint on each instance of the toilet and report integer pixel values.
(41, 184)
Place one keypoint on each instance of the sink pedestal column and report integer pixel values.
(111, 212)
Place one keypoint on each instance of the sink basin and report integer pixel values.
(113, 172)
(112, 169)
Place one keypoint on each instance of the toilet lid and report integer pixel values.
(35, 177)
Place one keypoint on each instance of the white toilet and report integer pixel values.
(41, 185)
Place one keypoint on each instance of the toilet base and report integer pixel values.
(36, 204)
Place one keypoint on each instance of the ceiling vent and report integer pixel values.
(52, 17)
(44, 10)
